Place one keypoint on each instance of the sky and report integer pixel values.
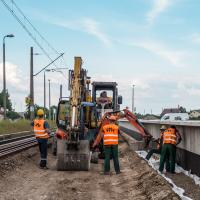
(152, 44)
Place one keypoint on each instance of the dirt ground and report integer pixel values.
(21, 179)
(191, 189)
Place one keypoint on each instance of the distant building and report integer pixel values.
(194, 113)
(170, 110)
(150, 117)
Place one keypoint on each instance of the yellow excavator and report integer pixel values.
(80, 118)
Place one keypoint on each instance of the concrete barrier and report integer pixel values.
(188, 151)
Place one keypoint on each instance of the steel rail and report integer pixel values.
(17, 146)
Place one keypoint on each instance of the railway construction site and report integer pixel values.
(24, 180)
(21, 179)
(86, 144)
(90, 127)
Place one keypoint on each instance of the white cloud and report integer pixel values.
(16, 84)
(195, 38)
(159, 6)
(14, 77)
(143, 90)
(87, 25)
(175, 57)
(152, 91)
(92, 27)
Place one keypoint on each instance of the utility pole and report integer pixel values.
(4, 74)
(49, 100)
(31, 86)
(60, 91)
(44, 92)
(133, 108)
(4, 81)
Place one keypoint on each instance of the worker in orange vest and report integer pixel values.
(171, 138)
(110, 141)
(41, 130)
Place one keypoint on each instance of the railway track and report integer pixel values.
(15, 145)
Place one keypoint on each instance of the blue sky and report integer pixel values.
(154, 44)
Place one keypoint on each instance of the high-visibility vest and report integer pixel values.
(39, 129)
(110, 134)
(169, 136)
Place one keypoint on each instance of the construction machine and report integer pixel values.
(73, 150)
(79, 116)
(105, 102)
(120, 114)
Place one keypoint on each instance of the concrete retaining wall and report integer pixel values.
(188, 151)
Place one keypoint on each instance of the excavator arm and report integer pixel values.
(131, 118)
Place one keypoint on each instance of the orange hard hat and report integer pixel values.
(112, 118)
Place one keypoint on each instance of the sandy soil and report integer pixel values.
(22, 180)
(191, 189)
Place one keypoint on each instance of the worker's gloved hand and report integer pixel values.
(155, 140)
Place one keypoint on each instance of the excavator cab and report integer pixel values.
(105, 95)
(62, 119)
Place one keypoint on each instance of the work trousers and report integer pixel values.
(111, 151)
(158, 151)
(168, 151)
(152, 151)
(43, 151)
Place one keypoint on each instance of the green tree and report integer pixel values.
(36, 107)
(13, 115)
(182, 109)
(8, 101)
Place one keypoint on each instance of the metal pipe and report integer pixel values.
(73, 116)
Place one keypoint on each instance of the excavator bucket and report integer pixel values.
(73, 160)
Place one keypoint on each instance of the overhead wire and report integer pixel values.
(35, 29)
(27, 30)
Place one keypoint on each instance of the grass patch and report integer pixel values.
(7, 126)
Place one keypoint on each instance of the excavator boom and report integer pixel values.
(131, 118)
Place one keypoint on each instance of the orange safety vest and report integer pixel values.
(110, 134)
(39, 129)
(169, 136)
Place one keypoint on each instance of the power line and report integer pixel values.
(26, 29)
(48, 64)
(34, 28)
